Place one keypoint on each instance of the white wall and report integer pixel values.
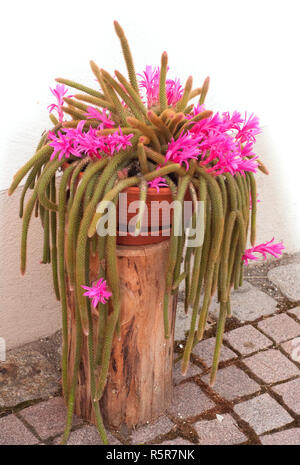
(249, 48)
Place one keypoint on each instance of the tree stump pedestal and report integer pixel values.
(139, 386)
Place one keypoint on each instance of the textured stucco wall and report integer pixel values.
(28, 307)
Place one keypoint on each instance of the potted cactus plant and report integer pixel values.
(152, 138)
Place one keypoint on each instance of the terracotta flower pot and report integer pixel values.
(158, 227)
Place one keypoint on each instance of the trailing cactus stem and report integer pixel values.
(61, 273)
(219, 340)
(43, 154)
(54, 240)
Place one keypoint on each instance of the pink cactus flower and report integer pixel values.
(63, 145)
(103, 116)
(98, 292)
(267, 248)
(59, 92)
(157, 183)
(249, 129)
(183, 149)
(150, 82)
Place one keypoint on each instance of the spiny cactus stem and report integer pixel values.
(204, 91)
(76, 85)
(142, 159)
(127, 56)
(127, 99)
(61, 271)
(163, 102)
(146, 130)
(219, 339)
(98, 102)
(43, 154)
(133, 94)
(186, 95)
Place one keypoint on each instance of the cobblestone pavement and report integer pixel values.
(255, 400)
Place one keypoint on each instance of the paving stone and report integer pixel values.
(219, 433)
(271, 366)
(204, 350)
(232, 382)
(87, 436)
(247, 340)
(248, 303)
(295, 311)
(287, 278)
(26, 375)
(290, 393)
(13, 432)
(280, 327)
(148, 432)
(292, 348)
(178, 441)
(189, 401)
(193, 370)
(289, 437)
(263, 413)
(48, 418)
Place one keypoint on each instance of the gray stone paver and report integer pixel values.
(204, 350)
(193, 370)
(86, 436)
(26, 375)
(189, 400)
(149, 432)
(248, 303)
(290, 393)
(13, 432)
(271, 366)
(48, 418)
(247, 340)
(280, 327)
(287, 278)
(33, 372)
(216, 432)
(263, 413)
(292, 348)
(232, 383)
(289, 437)
(295, 311)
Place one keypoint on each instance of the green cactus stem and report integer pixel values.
(127, 99)
(132, 93)
(186, 95)
(204, 91)
(62, 272)
(127, 56)
(54, 240)
(163, 102)
(98, 102)
(43, 154)
(76, 85)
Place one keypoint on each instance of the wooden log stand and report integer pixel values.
(139, 387)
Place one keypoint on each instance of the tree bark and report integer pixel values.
(139, 387)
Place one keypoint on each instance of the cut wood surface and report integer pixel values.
(139, 386)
